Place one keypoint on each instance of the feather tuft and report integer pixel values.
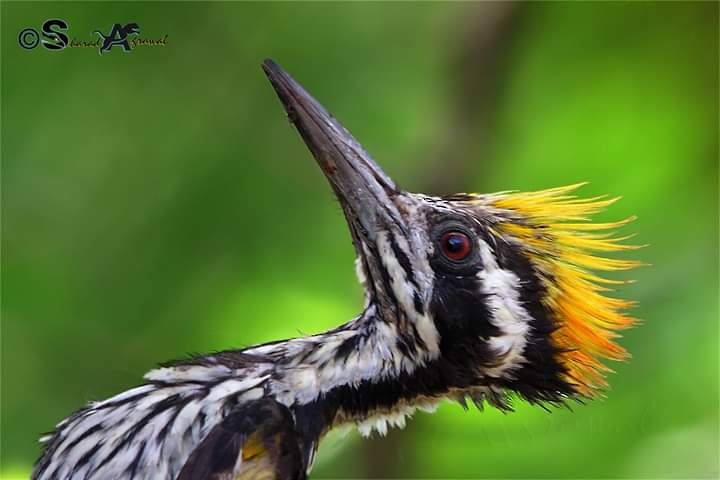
(567, 249)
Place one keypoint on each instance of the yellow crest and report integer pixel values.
(566, 249)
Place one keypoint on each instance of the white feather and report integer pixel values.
(507, 313)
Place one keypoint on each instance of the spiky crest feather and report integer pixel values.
(555, 230)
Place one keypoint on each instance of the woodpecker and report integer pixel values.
(468, 297)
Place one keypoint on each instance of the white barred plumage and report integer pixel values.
(466, 297)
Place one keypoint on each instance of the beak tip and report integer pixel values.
(285, 87)
(269, 66)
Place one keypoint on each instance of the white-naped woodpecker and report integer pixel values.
(467, 297)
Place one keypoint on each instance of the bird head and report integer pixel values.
(500, 293)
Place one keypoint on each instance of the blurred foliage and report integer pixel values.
(157, 203)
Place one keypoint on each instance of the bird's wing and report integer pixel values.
(151, 430)
(256, 440)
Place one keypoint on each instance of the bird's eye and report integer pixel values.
(455, 245)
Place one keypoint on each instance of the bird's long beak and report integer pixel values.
(363, 189)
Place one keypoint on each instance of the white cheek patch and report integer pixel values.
(507, 313)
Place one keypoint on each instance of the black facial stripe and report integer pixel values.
(461, 317)
(540, 377)
(402, 259)
(404, 262)
(387, 284)
(462, 308)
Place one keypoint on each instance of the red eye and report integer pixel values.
(455, 245)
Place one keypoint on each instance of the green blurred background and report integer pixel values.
(158, 202)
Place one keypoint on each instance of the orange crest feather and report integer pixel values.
(563, 244)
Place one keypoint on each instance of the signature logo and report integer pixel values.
(55, 37)
(53, 31)
(118, 36)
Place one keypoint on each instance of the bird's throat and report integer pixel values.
(365, 372)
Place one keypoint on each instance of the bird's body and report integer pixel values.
(182, 402)
(467, 297)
